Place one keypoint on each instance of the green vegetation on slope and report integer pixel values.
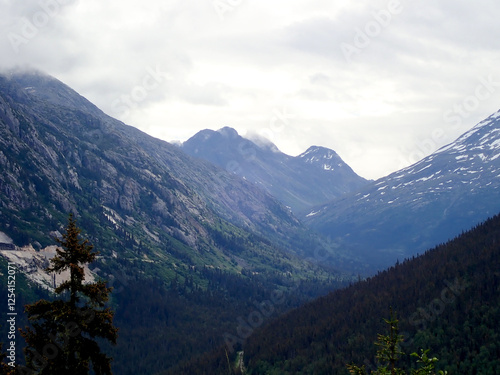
(448, 301)
(389, 354)
(197, 241)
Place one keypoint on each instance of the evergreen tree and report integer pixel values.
(64, 333)
(390, 352)
(4, 368)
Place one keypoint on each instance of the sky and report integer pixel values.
(383, 83)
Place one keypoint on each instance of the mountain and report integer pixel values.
(61, 153)
(178, 234)
(419, 206)
(447, 301)
(317, 176)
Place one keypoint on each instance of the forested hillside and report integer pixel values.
(186, 246)
(447, 300)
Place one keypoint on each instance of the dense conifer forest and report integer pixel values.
(182, 319)
(185, 320)
(447, 300)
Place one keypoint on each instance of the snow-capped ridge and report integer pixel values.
(423, 204)
(328, 159)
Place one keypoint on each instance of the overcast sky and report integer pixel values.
(383, 83)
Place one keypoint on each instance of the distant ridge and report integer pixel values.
(419, 206)
(317, 176)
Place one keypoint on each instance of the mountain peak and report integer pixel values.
(203, 135)
(228, 132)
(319, 151)
(316, 177)
(326, 158)
(45, 87)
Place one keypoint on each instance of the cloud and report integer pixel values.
(238, 66)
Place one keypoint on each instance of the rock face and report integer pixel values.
(59, 154)
(188, 247)
(317, 176)
(33, 264)
(423, 205)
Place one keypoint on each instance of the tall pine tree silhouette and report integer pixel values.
(63, 337)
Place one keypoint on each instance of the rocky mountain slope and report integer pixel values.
(420, 206)
(192, 245)
(33, 263)
(316, 176)
(59, 153)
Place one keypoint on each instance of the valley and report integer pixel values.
(208, 243)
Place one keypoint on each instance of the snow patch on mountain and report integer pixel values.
(312, 213)
(323, 157)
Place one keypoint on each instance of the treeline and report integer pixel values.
(447, 300)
